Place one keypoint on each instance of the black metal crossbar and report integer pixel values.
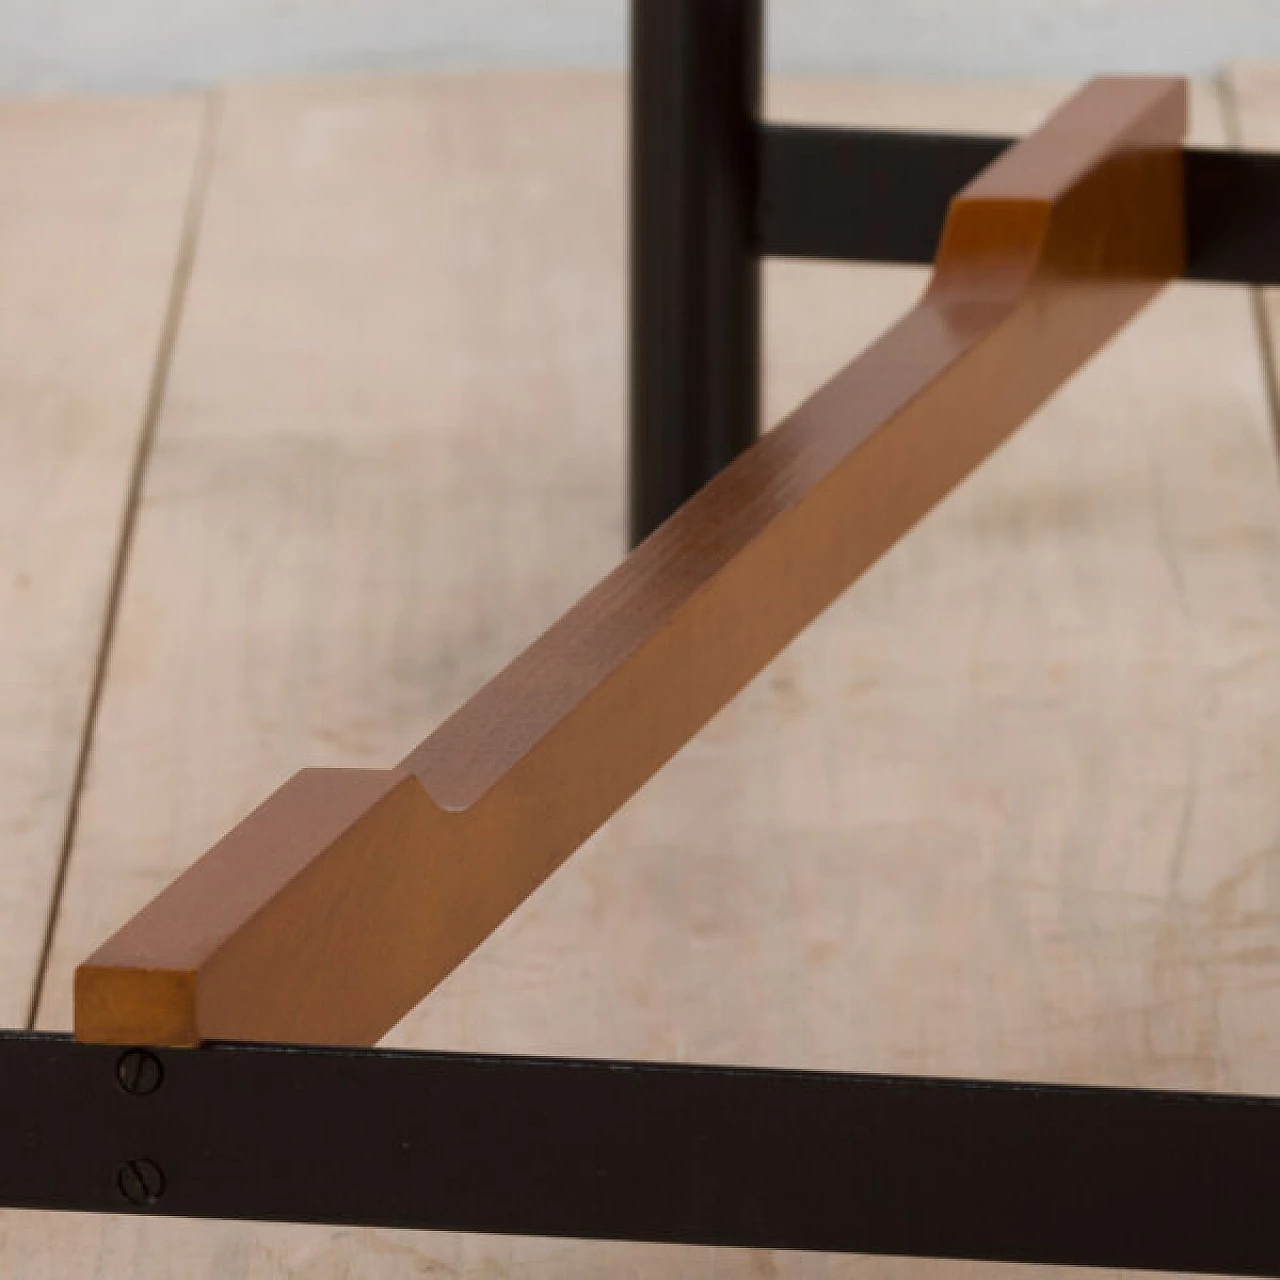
(644, 1151)
(880, 195)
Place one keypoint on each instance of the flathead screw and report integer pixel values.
(141, 1182)
(139, 1072)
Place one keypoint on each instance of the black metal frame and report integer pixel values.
(692, 1154)
(715, 190)
(646, 1151)
(696, 73)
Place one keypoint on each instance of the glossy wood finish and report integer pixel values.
(340, 902)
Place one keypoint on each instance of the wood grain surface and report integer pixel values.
(90, 225)
(331, 911)
(1007, 808)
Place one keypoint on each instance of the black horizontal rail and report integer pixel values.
(881, 195)
(624, 1150)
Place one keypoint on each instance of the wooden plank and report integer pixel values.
(90, 224)
(347, 896)
(1006, 809)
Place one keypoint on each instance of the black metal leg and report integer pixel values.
(696, 73)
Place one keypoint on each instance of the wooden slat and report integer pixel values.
(1007, 808)
(348, 895)
(90, 221)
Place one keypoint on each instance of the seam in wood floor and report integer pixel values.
(1234, 127)
(189, 236)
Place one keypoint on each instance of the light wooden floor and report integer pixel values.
(311, 413)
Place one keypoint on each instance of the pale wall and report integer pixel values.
(53, 45)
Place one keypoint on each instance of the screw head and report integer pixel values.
(139, 1072)
(141, 1182)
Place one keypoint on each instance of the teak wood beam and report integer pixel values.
(340, 902)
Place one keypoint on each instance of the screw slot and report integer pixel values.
(139, 1072)
(141, 1182)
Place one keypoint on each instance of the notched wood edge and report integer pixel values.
(204, 952)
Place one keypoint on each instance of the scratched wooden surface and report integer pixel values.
(1007, 809)
(91, 219)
